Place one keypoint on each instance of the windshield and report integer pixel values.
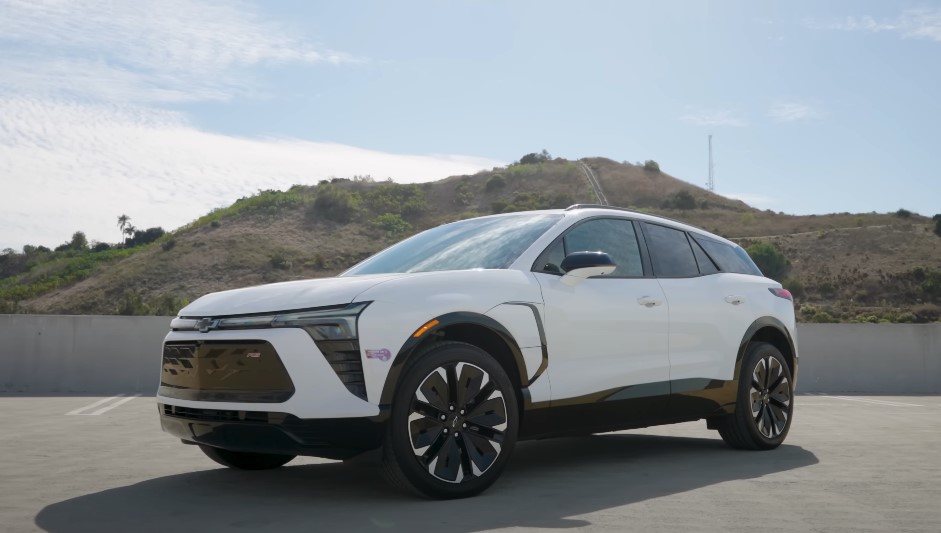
(491, 242)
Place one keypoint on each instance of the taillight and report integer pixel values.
(782, 293)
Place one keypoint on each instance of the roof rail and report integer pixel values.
(599, 206)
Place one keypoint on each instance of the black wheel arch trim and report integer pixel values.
(754, 328)
(458, 318)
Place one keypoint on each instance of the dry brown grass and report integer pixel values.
(848, 263)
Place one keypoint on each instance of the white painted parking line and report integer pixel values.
(870, 401)
(118, 400)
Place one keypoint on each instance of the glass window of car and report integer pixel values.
(488, 242)
(615, 237)
(706, 265)
(671, 253)
(729, 258)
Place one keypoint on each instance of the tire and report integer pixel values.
(764, 407)
(245, 460)
(453, 424)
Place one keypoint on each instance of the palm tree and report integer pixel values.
(129, 232)
(123, 222)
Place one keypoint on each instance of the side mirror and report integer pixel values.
(579, 266)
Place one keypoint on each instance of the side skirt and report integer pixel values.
(632, 407)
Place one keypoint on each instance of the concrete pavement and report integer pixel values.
(851, 463)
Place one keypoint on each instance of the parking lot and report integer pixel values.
(851, 463)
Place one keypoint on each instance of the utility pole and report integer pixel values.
(711, 184)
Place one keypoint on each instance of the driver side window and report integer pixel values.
(615, 237)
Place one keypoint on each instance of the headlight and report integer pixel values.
(324, 325)
(329, 324)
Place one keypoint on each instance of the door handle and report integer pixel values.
(734, 299)
(647, 301)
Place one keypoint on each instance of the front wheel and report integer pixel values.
(453, 424)
(765, 403)
(245, 460)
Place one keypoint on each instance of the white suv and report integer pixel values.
(443, 350)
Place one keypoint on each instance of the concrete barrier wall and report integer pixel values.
(872, 358)
(103, 355)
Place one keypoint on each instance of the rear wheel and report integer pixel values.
(453, 424)
(765, 404)
(245, 460)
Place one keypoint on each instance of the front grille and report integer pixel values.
(346, 361)
(224, 371)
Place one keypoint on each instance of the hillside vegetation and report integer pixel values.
(842, 267)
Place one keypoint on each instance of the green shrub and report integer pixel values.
(146, 236)
(903, 213)
(937, 224)
(823, 317)
(680, 200)
(769, 259)
(495, 183)
(651, 165)
(168, 305)
(168, 245)
(281, 262)
(391, 224)
(498, 207)
(906, 317)
(336, 204)
(407, 200)
(931, 285)
(534, 158)
(132, 304)
(794, 285)
(215, 223)
(464, 192)
(78, 242)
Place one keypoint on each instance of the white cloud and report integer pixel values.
(68, 166)
(923, 23)
(714, 117)
(752, 199)
(171, 50)
(792, 111)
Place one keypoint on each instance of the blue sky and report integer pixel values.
(166, 110)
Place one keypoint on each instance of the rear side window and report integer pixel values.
(729, 258)
(671, 253)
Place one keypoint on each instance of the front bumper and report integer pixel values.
(232, 398)
(272, 432)
(318, 391)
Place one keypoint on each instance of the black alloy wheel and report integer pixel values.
(770, 397)
(765, 403)
(454, 425)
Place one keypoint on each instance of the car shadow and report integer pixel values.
(545, 484)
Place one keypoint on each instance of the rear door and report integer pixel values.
(710, 310)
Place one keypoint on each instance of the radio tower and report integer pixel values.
(711, 184)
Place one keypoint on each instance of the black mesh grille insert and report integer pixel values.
(345, 359)
(214, 415)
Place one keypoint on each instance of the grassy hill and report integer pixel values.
(843, 267)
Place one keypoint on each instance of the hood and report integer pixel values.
(285, 296)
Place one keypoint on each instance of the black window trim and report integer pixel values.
(646, 264)
(697, 246)
(698, 274)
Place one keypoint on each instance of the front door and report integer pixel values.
(607, 336)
